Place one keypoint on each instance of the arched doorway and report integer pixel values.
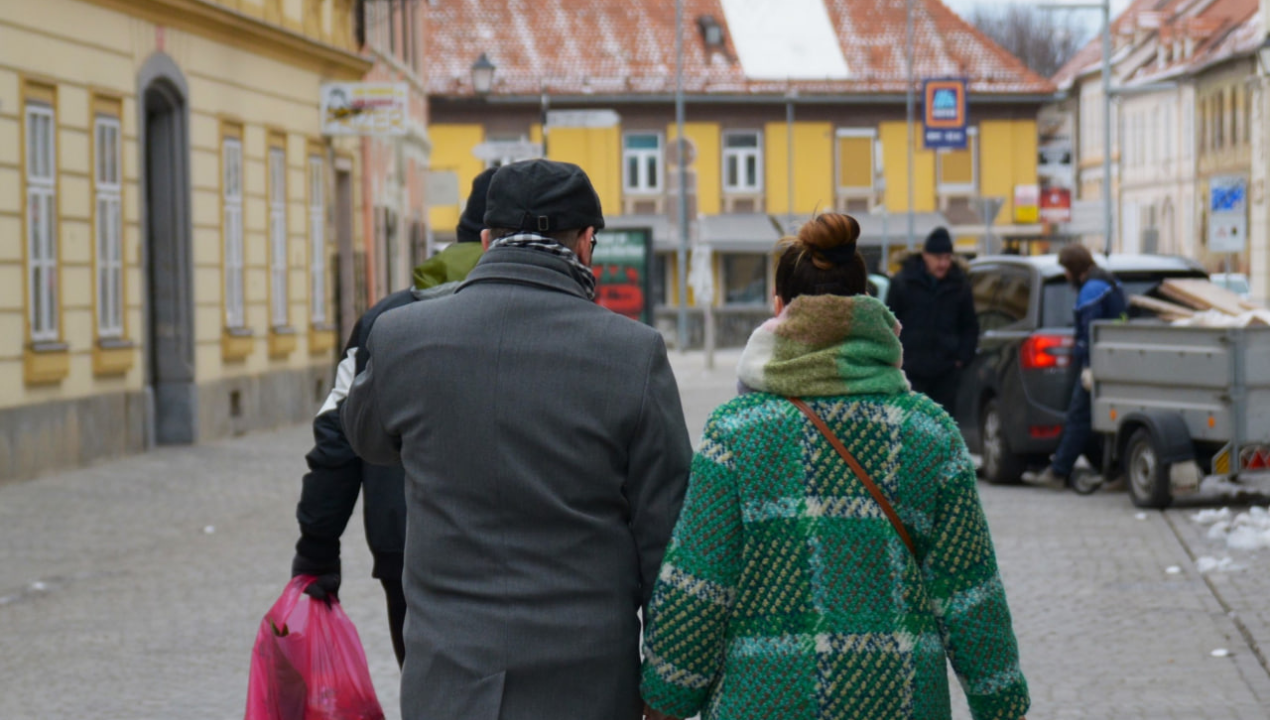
(168, 262)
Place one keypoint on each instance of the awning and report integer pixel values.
(873, 229)
(751, 232)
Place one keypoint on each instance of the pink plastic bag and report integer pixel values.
(308, 663)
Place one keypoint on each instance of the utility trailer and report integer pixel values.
(1177, 403)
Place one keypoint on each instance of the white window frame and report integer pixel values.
(971, 188)
(874, 160)
(280, 315)
(41, 209)
(740, 155)
(107, 137)
(232, 183)
(317, 238)
(643, 183)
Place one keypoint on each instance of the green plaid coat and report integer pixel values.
(786, 594)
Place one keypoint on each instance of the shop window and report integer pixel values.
(745, 279)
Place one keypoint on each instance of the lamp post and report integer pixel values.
(1105, 7)
(681, 338)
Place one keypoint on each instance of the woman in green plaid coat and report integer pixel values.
(786, 593)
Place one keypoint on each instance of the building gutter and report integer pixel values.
(708, 99)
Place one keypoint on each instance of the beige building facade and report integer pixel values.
(169, 218)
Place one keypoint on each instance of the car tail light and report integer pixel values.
(1044, 352)
(1045, 432)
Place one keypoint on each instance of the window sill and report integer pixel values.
(321, 338)
(113, 357)
(237, 344)
(282, 342)
(46, 363)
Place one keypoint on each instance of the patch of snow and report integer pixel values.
(1218, 530)
(209, 529)
(1140, 516)
(39, 586)
(1220, 653)
(1204, 517)
(790, 40)
(1208, 564)
(1173, 570)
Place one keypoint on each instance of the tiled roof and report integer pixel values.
(627, 47)
(1219, 30)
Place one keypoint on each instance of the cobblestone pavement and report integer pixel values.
(134, 589)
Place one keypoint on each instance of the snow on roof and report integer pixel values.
(793, 39)
(627, 47)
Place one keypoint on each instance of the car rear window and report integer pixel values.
(1058, 299)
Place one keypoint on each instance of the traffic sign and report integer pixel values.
(1227, 214)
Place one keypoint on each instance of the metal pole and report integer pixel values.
(682, 336)
(545, 105)
(908, 142)
(789, 160)
(1108, 221)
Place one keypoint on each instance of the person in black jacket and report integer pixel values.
(931, 298)
(336, 474)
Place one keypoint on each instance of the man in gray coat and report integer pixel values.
(546, 460)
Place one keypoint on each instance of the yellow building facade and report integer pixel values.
(168, 220)
(859, 166)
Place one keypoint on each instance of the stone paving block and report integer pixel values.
(115, 602)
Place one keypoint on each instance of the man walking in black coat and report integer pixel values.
(337, 475)
(931, 298)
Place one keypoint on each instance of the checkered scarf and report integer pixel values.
(533, 241)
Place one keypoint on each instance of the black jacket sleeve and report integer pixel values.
(334, 479)
(897, 296)
(967, 326)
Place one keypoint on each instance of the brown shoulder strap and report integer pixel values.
(858, 470)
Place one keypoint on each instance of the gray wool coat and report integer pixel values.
(546, 460)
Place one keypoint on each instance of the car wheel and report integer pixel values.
(1000, 465)
(1147, 478)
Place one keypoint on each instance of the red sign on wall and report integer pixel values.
(1056, 206)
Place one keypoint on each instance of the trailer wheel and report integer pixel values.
(1000, 465)
(1148, 478)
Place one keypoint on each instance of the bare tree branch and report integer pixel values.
(1044, 41)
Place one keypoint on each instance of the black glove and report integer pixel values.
(326, 586)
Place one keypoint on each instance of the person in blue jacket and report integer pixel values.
(1100, 297)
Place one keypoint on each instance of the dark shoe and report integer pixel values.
(1084, 483)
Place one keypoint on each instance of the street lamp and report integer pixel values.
(483, 75)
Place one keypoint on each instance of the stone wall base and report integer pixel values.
(66, 434)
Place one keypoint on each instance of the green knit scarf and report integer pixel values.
(826, 345)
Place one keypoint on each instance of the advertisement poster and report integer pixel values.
(622, 263)
(945, 114)
(1056, 206)
(365, 108)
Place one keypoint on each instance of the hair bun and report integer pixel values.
(831, 239)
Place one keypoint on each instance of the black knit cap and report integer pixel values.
(473, 220)
(939, 242)
(542, 196)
